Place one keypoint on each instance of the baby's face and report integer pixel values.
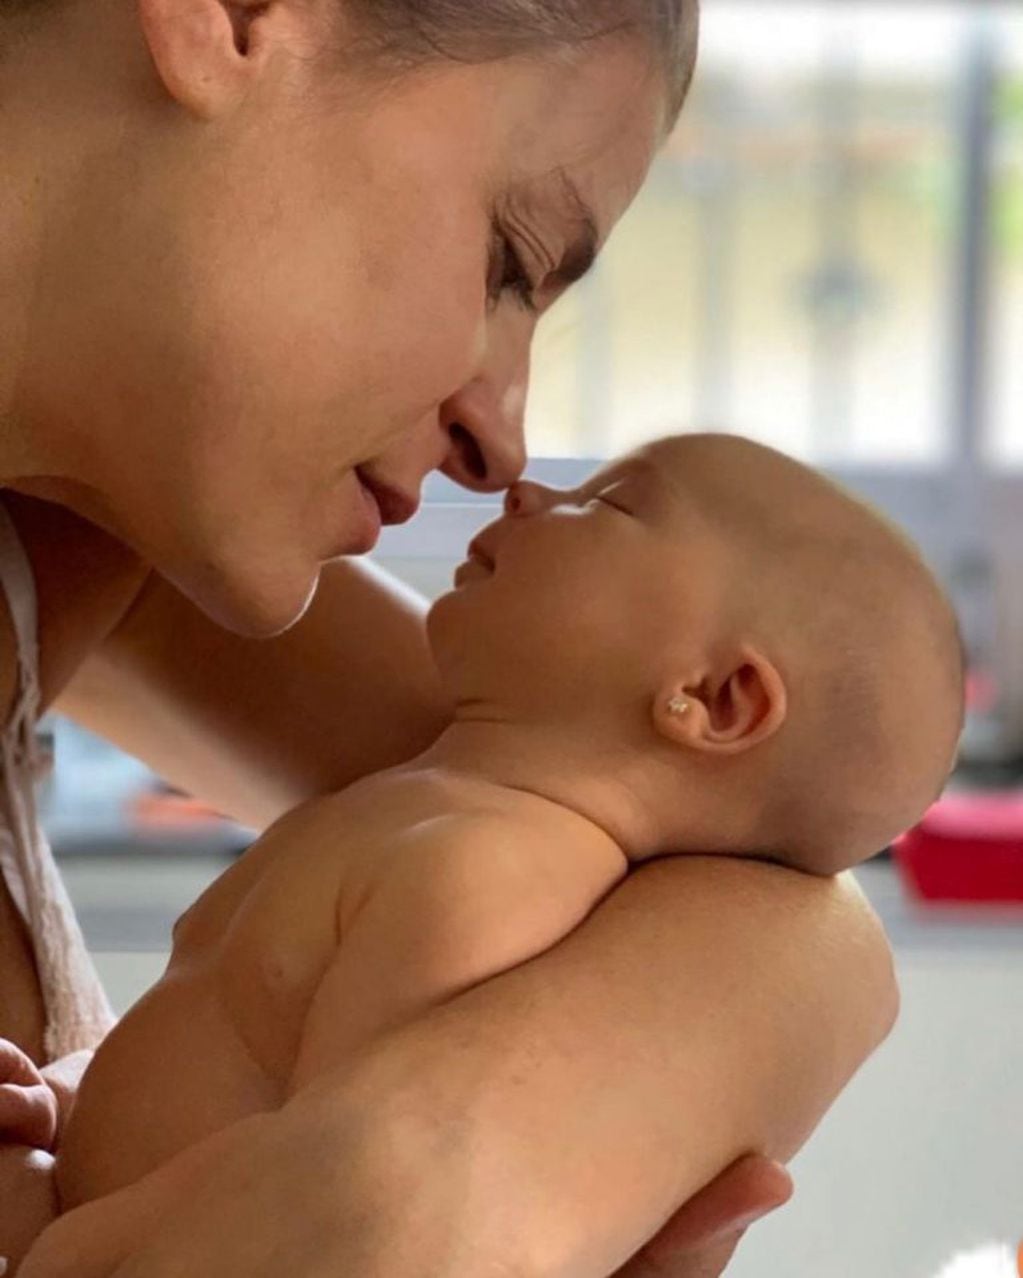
(575, 595)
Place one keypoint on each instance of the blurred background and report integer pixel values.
(828, 257)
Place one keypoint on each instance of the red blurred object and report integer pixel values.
(166, 809)
(981, 692)
(969, 847)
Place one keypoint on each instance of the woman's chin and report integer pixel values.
(252, 606)
(260, 579)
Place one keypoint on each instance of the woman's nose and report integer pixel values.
(484, 422)
(487, 447)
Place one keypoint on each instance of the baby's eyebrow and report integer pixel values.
(621, 472)
(648, 472)
(604, 477)
(630, 468)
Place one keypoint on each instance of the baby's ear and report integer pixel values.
(726, 708)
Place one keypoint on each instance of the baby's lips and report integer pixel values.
(28, 1115)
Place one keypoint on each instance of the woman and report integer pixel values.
(266, 264)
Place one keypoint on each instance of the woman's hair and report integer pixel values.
(414, 32)
(410, 33)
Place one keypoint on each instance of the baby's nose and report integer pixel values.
(526, 498)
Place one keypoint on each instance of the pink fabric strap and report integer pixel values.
(77, 1010)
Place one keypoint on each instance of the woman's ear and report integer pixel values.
(209, 53)
(725, 711)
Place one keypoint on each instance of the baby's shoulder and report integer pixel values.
(400, 800)
(457, 834)
(357, 833)
(431, 822)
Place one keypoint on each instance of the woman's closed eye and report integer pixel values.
(507, 273)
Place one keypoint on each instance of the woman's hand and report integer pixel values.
(701, 1238)
(34, 1104)
(28, 1105)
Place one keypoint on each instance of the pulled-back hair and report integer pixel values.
(413, 32)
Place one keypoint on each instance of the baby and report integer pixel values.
(705, 647)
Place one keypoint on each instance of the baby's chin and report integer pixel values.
(461, 634)
(443, 633)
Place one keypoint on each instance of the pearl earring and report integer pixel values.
(678, 705)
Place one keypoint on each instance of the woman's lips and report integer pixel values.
(396, 506)
(381, 505)
(368, 534)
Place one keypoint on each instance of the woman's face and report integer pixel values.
(247, 307)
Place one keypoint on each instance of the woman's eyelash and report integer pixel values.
(508, 274)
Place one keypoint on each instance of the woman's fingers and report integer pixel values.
(701, 1237)
(28, 1115)
(16, 1066)
(709, 1261)
(28, 1108)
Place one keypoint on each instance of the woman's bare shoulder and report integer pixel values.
(86, 581)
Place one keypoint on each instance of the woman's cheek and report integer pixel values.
(436, 309)
(447, 340)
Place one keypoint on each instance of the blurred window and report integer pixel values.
(1007, 249)
(791, 272)
(828, 257)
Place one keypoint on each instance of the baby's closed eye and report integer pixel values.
(604, 500)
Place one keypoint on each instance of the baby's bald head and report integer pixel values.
(860, 631)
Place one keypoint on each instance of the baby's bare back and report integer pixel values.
(232, 1023)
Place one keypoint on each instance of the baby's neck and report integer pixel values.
(599, 786)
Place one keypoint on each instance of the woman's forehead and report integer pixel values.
(587, 133)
